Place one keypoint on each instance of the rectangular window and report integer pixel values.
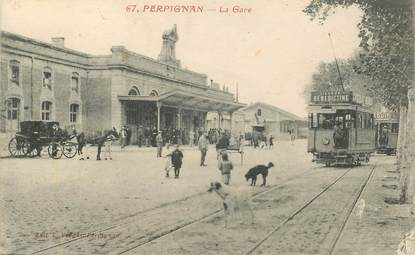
(47, 80)
(326, 120)
(46, 110)
(73, 113)
(75, 84)
(13, 106)
(15, 73)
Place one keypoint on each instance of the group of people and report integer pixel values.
(261, 141)
(148, 136)
(174, 156)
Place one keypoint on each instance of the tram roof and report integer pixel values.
(187, 100)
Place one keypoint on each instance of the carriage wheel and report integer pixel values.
(29, 150)
(55, 150)
(16, 146)
(69, 149)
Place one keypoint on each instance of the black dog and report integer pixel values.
(259, 169)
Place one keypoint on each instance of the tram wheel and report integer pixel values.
(328, 164)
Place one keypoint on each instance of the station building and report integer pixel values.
(275, 121)
(47, 81)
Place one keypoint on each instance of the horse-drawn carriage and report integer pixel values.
(34, 135)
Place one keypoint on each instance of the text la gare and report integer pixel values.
(235, 9)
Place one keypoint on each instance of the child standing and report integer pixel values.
(176, 160)
(225, 166)
(168, 153)
(107, 145)
(271, 142)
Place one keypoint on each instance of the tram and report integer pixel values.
(341, 128)
(387, 128)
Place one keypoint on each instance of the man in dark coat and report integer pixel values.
(129, 133)
(222, 144)
(176, 160)
(140, 136)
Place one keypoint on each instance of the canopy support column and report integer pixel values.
(159, 104)
(179, 117)
(220, 120)
(230, 122)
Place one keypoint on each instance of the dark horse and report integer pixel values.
(99, 141)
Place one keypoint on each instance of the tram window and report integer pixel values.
(349, 121)
(367, 120)
(395, 128)
(371, 121)
(315, 120)
(310, 120)
(359, 120)
(326, 121)
(348, 116)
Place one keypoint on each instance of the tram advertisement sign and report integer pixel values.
(339, 97)
(331, 96)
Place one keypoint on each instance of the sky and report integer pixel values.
(271, 52)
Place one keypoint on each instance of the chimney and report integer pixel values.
(58, 41)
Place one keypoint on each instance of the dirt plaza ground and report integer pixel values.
(128, 206)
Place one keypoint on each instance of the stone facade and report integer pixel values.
(50, 82)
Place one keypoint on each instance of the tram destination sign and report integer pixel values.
(319, 97)
(386, 116)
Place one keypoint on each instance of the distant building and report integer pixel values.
(47, 81)
(276, 121)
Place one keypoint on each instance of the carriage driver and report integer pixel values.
(56, 136)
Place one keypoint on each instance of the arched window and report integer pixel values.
(75, 83)
(259, 112)
(47, 78)
(14, 67)
(46, 110)
(154, 93)
(73, 113)
(13, 108)
(134, 91)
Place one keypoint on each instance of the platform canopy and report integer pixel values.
(187, 100)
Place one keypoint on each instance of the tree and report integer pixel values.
(387, 41)
(327, 77)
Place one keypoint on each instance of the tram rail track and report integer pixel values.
(352, 208)
(333, 246)
(177, 228)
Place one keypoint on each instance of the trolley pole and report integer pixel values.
(337, 64)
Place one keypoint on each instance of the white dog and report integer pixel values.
(235, 201)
